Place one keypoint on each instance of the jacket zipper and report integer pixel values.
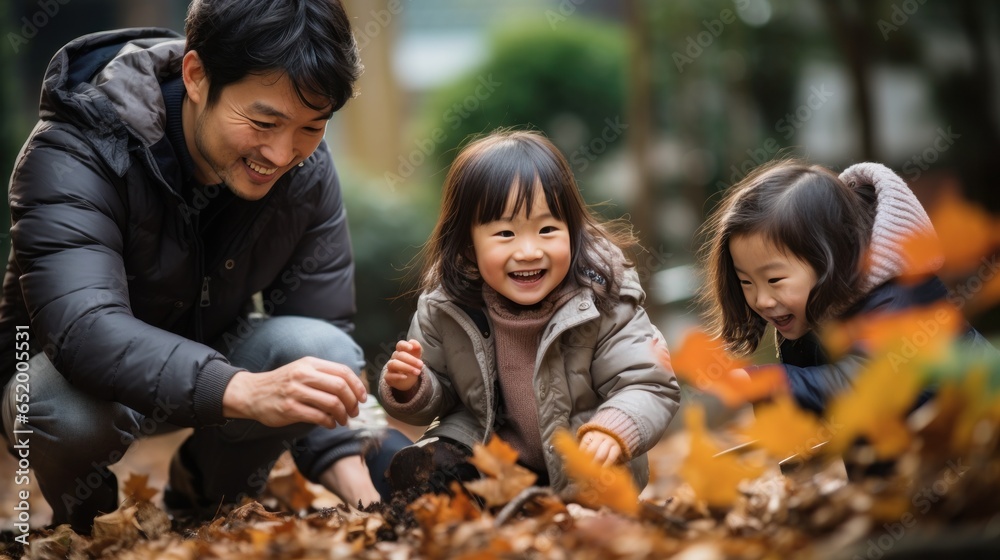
(205, 300)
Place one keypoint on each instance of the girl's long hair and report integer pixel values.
(803, 209)
(476, 191)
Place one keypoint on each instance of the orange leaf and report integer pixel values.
(504, 479)
(713, 479)
(783, 429)
(967, 232)
(137, 487)
(432, 510)
(597, 485)
(987, 295)
(919, 331)
(703, 362)
(922, 255)
(290, 488)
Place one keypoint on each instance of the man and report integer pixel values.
(166, 184)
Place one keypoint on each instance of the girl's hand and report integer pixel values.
(603, 447)
(403, 370)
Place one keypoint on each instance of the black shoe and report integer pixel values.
(430, 466)
(182, 498)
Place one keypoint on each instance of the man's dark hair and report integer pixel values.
(309, 40)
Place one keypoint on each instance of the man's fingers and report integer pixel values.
(335, 371)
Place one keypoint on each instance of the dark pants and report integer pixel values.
(76, 436)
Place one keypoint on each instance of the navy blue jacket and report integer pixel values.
(814, 379)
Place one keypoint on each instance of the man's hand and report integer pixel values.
(307, 390)
(403, 370)
(601, 446)
(349, 478)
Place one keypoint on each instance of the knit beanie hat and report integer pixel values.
(899, 217)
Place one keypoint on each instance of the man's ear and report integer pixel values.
(195, 78)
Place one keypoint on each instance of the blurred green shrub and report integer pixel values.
(567, 82)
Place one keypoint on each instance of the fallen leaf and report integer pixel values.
(137, 488)
(783, 429)
(713, 479)
(597, 485)
(290, 488)
(967, 232)
(876, 407)
(703, 362)
(923, 331)
(504, 478)
(431, 510)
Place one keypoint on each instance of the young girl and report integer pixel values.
(529, 321)
(794, 245)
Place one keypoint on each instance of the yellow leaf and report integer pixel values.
(597, 485)
(783, 429)
(504, 478)
(713, 479)
(876, 407)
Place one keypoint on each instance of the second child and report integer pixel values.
(530, 321)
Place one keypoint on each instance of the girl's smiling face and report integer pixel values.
(776, 283)
(522, 257)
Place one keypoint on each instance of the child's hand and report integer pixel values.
(603, 447)
(403, 370)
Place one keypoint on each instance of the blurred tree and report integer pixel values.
(567, 80)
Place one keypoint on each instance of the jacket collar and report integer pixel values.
(107, 84)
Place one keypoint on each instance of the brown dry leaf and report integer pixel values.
(713, 479)
(506, 479)
(783, 429)
(63, 542)
(876, 408)
(703, 362)
(597, 485)
(153, 521)
(137, 488)
(289, 487)
(431, 510)
(116, 530)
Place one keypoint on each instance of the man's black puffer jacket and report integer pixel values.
(107, 266)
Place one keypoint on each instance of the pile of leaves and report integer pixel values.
(872, 478)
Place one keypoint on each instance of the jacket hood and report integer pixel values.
(107, 84)
(628, 285)
(899, 217)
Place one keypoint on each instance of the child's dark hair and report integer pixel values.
(476, 191)
(803, 208)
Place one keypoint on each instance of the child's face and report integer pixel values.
(775, 283)
(523, 258)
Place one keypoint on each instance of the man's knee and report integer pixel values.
(316, 338)
(65, 424)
